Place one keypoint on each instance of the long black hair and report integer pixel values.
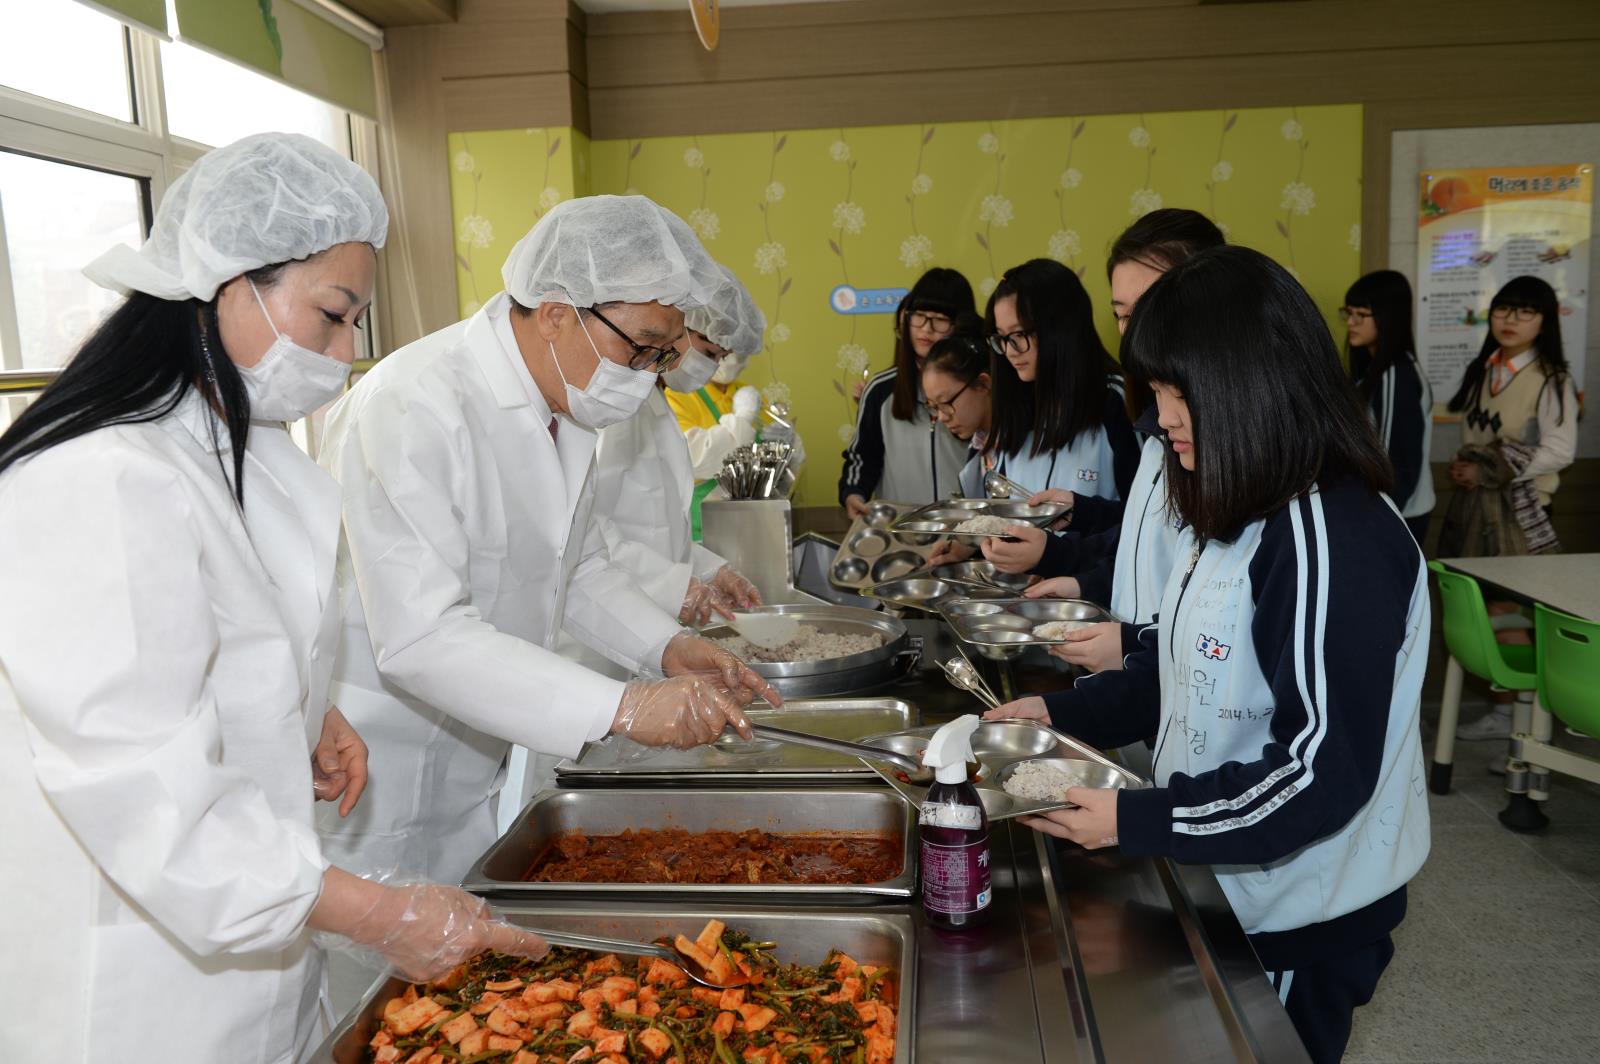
(939, 291)
(1387, 294)
(1270, 406)
(1159, 240)
(1068, 394)
(963, 354)
(1520, 293)
(137, 367)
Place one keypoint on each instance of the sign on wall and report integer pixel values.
(1479, 228)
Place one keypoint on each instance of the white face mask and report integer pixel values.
(729, 368)
(615, 393)
(692, 371)
(290, 382)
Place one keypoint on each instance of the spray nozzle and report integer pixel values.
(951, 748)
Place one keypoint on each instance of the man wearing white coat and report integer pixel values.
(465, 461)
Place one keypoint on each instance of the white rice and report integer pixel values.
(1036, 781)
(1057, 630)
(986, 524)
(809, 645)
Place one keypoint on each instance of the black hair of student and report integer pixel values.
(137, 366)
(1530, 293)
(962, 355)
(1159, 240)
(1387, 294)
(939, 291)
(1067, 396)
(1271, 408)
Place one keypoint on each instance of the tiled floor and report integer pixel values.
(1499, 957)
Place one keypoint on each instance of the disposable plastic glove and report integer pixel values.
(700, 602)
(746, 401)
(427, 929)
(681, 711)
(742, 429)
(735, 589)
(688, 653)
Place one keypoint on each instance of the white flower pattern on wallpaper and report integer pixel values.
(549, 198)
(1143, 201)
(1064, 244)
(779, 333)
(1355, 237)
(777, 392)
(1298, 198)
(988, 143)
(1071, 178)
(921, 185)
(771, 257)
(774, 192)
(1291, 130)
(694, 158)
(1221, 171)
(476, 231)
(846, 432)
(853, 358)
(465, 163)
(705, 223)
(987, 286)
(1139, 137)
(995, 210)
(916, 252)
(839, 151)
(849, 217)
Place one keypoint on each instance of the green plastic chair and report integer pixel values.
(1569, 668)
(1469, 637)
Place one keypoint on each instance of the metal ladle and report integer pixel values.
(964, 676)
(997, 485)
(917, 772)
(672, 955)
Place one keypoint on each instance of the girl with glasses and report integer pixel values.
(958, 387)
(1383, 363)
(900, 451)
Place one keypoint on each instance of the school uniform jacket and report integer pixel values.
(916, 461)
(1402, 409)
(1281, 684)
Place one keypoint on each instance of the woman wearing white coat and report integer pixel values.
(465, 462)
(166, 637)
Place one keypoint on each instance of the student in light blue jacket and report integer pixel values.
(1280, 681)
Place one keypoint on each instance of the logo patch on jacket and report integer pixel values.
(1090, 475)
(1213, 649)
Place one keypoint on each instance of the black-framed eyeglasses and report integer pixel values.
(1020, 341)
(645, 357)
(938, 324)
(1517, 314)
(1356, 314)
(949, 405)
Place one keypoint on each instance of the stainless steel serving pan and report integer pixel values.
(804, 938)
(1001, 744)
(824, 617)
(610, 811)
(733, 762)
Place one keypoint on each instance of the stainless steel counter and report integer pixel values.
(1089, 957)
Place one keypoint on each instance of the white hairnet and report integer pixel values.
(730, 318)
(610, 249)
(262, 200)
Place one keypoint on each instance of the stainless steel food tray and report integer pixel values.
(831, 676)
(867, 810)
(1009, 622)
(924, 592)
(941, 518)
(732, 761)
(871, 552)
(804, 938)
(999, 745)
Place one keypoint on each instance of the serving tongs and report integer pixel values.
(914, 769)
(964, 675)
(677, 954)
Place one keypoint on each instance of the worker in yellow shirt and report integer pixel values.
(722, 413)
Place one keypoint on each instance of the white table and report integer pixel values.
(1567, 582)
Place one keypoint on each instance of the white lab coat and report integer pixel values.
(468, 535)
(166, 672)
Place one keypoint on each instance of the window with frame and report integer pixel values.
(96, 120)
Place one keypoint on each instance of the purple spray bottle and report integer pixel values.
(955, 833)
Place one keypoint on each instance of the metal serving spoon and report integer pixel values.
(671, 954)
(911, 766)
(964, 676)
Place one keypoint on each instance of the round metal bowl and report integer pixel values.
(881, 515)
(834, 675)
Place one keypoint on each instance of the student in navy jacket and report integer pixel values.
(1281, 678)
